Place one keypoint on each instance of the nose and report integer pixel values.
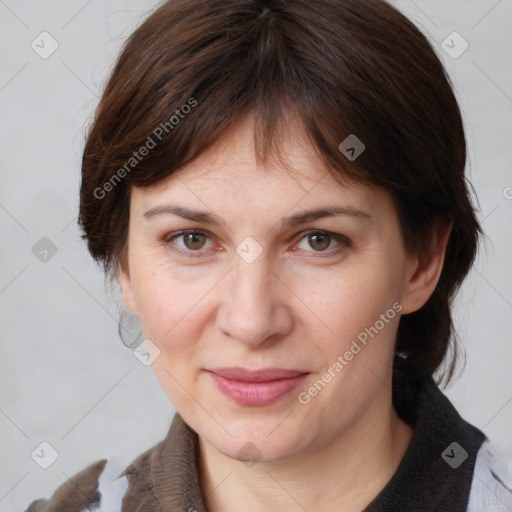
(254, 309)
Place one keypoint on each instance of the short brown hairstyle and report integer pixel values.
(341, 67)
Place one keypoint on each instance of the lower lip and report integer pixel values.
(256, 393)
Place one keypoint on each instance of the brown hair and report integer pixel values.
(341, 67)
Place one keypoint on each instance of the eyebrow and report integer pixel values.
(203, 217)
(286, 222)
(319, 213)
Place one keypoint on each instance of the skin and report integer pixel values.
(299, 306)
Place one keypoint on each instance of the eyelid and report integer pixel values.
(168, 240)
(343, 242)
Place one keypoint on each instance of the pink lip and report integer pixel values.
(256, 387)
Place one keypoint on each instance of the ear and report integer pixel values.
(425, 269)
(126, 286)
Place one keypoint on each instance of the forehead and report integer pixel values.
(229, 173)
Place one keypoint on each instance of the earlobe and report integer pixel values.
(126, 286)
(425, 270)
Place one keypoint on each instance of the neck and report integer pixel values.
(343, 475)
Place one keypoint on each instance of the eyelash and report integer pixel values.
(194, 254)
(343, 242)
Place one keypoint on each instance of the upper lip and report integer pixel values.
(263, 375)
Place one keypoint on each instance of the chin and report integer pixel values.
(258, 441)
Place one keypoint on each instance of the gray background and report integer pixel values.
(66, 378)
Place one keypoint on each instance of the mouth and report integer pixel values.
(256, 387)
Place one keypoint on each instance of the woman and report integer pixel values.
(279, 188)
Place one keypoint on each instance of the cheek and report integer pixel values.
(348, 302)
(361, 310)
(163, 306)
(173, 303)
(173, 312)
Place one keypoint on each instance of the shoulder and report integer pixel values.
(491, 487)
(98, 487)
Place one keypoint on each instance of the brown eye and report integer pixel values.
(194, 241)
(319, 241)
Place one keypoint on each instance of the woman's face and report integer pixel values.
(271, 297)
